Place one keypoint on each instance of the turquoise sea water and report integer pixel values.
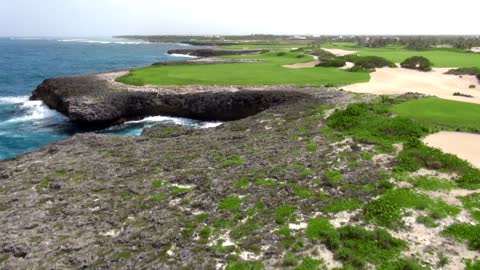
(25, 62)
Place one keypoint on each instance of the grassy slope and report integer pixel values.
(439, 57)
(269, 72)
(439, 112)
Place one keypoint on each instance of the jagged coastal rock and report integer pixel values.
(96, 100)
(214, 52)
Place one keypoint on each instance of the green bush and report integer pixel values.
(281, 54)
(323, 55)
(355, 246)
(368, 63)
(389, 208)
(417, 62)
(336, 62)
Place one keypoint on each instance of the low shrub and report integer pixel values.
(388, 210)
(337, 62)
(417, 62)
(464, 71)
(465, 232)
(458, 94)
(367, 63)
(323, 55)
(355, 246)
(472, 86)
(281, 54)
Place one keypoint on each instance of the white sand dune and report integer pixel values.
(397, 81)
(339, 52)
(464, 145)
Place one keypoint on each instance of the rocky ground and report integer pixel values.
(273, 188)
(96, 201)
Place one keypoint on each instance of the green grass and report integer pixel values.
(265, 182)
(245, 266)
(465, 232)
(432, 183)
(440, 57)
(472, 204)
(389, 209)
(284, 213)
(242, 182)
(310, 264)
(446, 114)
(233, 160)
(356, 246)
(158, 183)
(343, 205)
(44, 183)
(180, 190)
(158, 197)
(230, 203)
(269, 72)
(333, 177)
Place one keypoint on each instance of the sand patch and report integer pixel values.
(303, 65)
(475, 49)
(339, 52)
(397, 81)
(348, 65)
(428, 243)
(464, 145)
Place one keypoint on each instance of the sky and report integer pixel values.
(101, 18)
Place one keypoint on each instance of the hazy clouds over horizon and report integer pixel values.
(119, 17)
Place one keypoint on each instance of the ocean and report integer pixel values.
(25, 62)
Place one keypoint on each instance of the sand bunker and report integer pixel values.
(476, 49)
(348, 65)
(339, 52)
(464, 145)
(397, 81)
(303, 65)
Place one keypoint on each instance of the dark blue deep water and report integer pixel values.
(25, 63)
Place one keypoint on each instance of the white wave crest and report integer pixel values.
(33, 110)
(173, 120)
(85, 41)
(122, 42)
(210, 125)
(183, 55)
(13, 100)
(176, 121)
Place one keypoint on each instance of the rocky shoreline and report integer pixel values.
(97, 201)
(96, 100)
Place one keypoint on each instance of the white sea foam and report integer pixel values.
(183, 55)
(13, 100)
(176, 121)
(122, 42)
(210, 124)
(33, 110)
(85, 41)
